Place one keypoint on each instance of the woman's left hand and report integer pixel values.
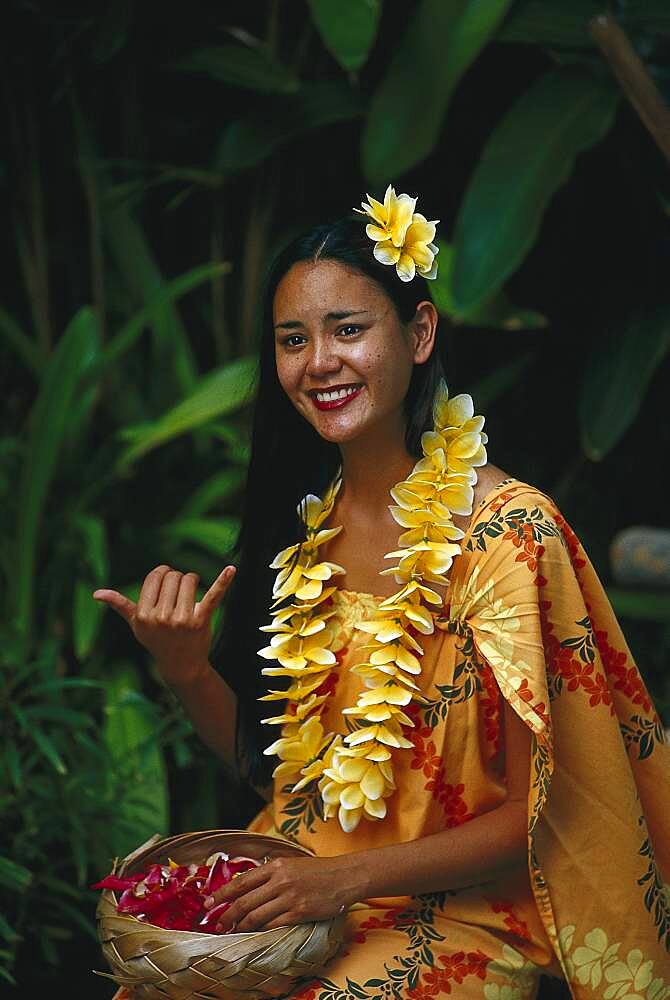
(285, 891)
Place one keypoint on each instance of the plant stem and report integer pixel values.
(633, 77)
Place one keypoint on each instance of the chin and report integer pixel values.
(341, 435)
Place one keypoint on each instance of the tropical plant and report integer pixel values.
(196, 151)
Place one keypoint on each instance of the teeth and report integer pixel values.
(326, 397)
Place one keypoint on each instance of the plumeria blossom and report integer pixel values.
(401, 236)
(354, 785)
(355, 772)
(300, 749)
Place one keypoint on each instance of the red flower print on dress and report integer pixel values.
(525, 693)
(562, 662)
(574, 545)
(500, 501)
(308, 992)
(455, 968)
(489, 699)
(389, 919)
(426, 759)
(627, 678)
(521, 535)
(516, 926)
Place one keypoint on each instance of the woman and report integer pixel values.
(466, 744)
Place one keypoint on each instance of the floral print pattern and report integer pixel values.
(525, 619)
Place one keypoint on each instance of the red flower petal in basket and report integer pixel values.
(114, 882)
(209, 921)
(238, 865)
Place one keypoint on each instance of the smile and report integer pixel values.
(329, 400)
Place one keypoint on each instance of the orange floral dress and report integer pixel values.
(525, 619)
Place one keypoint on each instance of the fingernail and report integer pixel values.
(209, 902)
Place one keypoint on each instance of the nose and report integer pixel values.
(323, 357)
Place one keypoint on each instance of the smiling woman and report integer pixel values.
(465, 742)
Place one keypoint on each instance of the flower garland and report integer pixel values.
(355, 773)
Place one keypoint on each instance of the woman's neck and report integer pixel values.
(370, 469)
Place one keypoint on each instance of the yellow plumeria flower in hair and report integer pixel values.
(401, 236)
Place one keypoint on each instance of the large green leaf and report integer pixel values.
(220, 392)
(491, 387)
(137, 773)
(528, 157)
(407, 110)
(75, 351)
(124, 338)
(93, 546)
(619, 368)
(213, 490)
(242, 66)
(348, 28)
(497, 312)
(87, 615)
(13, 875)
(246, 142)
(48, 748)
(173, 364)
(217, 535)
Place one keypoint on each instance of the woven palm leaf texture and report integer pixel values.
(184, 965)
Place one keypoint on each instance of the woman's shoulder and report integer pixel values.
(496, 489)
(513, 513)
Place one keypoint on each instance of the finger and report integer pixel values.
(185, 600)
(217, 591)
(238, 910)
(122, 605)
(265, 920)
(259, 918)
(168, 595)
(239, 885)
(151, 589)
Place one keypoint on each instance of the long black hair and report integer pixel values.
(289, 459)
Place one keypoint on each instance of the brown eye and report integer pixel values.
(286, 342)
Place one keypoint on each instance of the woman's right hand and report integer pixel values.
(169, 622)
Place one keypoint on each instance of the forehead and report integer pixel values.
(313, 288)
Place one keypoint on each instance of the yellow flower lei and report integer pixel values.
(355, 772)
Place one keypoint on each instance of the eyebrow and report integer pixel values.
(292, 324)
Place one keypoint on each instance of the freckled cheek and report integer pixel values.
(288, 377)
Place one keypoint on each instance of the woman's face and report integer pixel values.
(343, 356)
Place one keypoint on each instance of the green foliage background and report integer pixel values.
(154, 158)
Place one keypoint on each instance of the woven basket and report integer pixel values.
(185, 965)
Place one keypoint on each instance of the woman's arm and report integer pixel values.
(211, 705)
(175, 628)
(465, 855)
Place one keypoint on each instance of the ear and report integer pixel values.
(423, 328)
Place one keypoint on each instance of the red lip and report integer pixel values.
(333, 404)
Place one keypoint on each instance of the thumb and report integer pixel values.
(122, 605)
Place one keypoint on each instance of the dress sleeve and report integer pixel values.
(599, 793)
